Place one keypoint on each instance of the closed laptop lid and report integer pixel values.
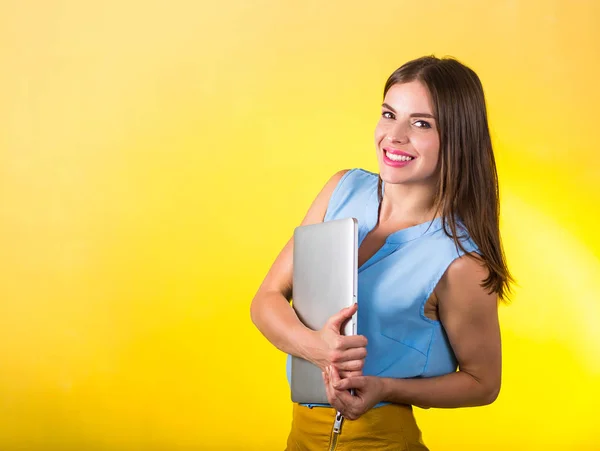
(324, 282)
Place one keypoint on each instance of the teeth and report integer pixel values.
(393, 157)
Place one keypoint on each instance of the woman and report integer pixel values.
(431, 271)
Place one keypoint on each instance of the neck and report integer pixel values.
(407, 203)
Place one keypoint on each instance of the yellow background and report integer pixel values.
(156, 155)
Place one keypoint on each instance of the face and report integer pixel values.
(406, 136)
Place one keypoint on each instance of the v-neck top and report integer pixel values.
(395, 283)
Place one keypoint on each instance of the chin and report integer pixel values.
(389, 174)
(392, 179)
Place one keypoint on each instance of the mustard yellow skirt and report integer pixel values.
(389, 427)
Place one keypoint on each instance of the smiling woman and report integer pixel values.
(431, 271)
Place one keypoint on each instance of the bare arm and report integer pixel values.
(273, 315)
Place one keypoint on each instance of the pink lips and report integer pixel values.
(396, 164)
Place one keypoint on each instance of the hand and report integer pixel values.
(368, 391)
(346, 353)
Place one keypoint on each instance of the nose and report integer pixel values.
(397, 134)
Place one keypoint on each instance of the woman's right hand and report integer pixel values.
(346, 353)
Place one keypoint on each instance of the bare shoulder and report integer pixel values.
(462, 282)
(335, 178)
(316, 212)
(339, 174)
(467, 268)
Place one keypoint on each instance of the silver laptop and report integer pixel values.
(324, 282)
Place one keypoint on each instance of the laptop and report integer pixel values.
(325, 279)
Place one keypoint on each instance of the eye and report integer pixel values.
(422, 124)
(387, 115)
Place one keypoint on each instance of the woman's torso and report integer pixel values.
(398, 271)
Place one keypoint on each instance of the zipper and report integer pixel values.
(337, 430)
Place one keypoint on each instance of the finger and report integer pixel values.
(353, 341)
(328, 388)
(338, 403)
(351, 365)
(334, 376)
(335, 381)
(336, 321)
(351, 404)
(342, 397)
(327, 381)
(349, 383)
(338, 357)
(331, 392)
(346, 374)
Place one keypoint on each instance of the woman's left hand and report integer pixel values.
(368, 391)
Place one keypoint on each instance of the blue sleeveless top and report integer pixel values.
(394, 285)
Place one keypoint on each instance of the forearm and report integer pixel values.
(458, 389)
(277, 321)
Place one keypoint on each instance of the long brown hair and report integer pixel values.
(467, 187)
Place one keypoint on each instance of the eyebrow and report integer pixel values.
(385, 105)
